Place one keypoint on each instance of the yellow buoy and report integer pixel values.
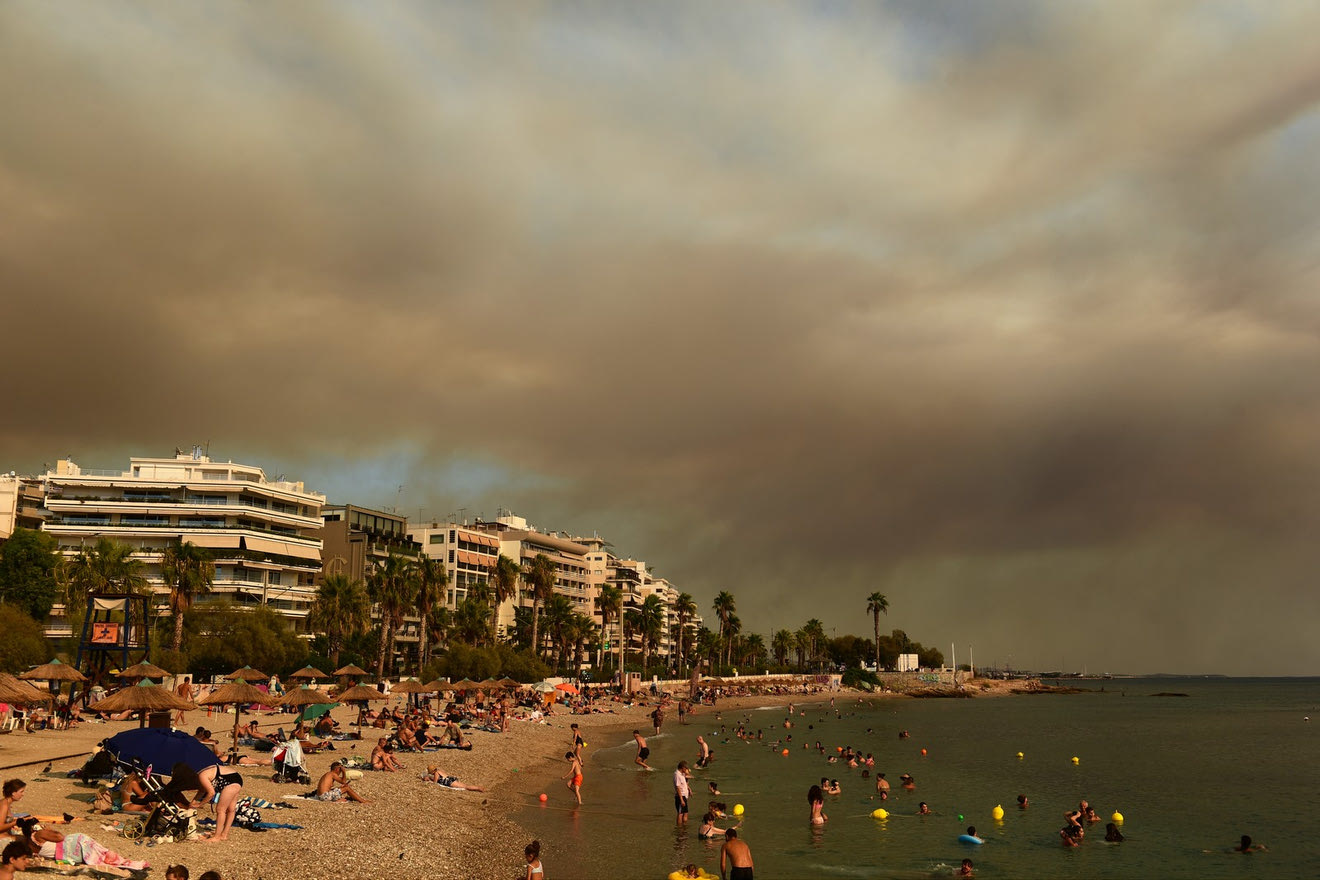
(1020, 755)
(998, 812)
(737, 809)
(1076, 760)
(1117, 818)
(881, 813)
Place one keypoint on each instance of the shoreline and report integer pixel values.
(410, 828)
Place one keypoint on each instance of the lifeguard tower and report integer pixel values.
(116, 628)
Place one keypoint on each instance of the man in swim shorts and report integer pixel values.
(737, 855)
(681, 791)
(642, 751)
(334, 786)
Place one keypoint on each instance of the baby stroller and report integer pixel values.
(145, 751)
(288, 761)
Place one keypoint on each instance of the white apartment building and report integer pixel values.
(262, 532)
(468, 556)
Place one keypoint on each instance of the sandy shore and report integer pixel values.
(411, 829)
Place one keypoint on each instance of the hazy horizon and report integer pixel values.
(1005, 310)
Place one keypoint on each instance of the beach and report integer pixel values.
(410, 829)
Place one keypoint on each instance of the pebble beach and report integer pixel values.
(411, 828)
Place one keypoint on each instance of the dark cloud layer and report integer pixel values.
(1010, 315)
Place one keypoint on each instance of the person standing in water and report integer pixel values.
(574, 775)
(642, 751)
(738, 857)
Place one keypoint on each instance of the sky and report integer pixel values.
(1006, 310)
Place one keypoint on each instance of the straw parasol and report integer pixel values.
(248, 674)
(410, 686)
(466, 684)
(53, 671)
(305, 696)
(350, 669)
(142, 670)
(14, 690)
(361, 694)
(511, 683)
(142, 698)
(311, 673)
(236, 694)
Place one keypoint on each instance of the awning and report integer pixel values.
(216, 542)
(282, 548)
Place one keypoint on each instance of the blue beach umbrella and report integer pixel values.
(160, 749)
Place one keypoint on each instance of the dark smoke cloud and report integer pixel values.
(1009, 315)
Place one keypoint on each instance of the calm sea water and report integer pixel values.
(1189, 774)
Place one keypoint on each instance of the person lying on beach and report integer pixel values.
(303, 736)
(334, 786)
(383, 759)
(435, 774)
(73, 849)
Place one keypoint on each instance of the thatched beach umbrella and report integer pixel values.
(142, 670)
(311, 673)
(142, 698)
(53, 671)
(305, 696)
(361, 694)
(14, 690)
(511, 683)
(350, 669)
(236, 694)
(248, 674)
(466, 684)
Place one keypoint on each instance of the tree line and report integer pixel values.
(552, 634)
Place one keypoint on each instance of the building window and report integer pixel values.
(435, 539)
(451, 557)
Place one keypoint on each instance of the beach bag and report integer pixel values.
(103, 803)
(246, 815)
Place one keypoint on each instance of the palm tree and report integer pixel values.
(189, 572)
(815, 631)
(558, 613)
(432, 579)
(724, 608)
(781, 643)
(582, 629)
(541, 576)
(649, 623)
(753, 649)
(685, 609)
(391, 587)
(610, 602)
(801, 642)
(504, 583)
(471, 621)
(877, 604)
(108, 567)
(708, 646)
(341, 610)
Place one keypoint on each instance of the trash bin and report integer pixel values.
(159, 719)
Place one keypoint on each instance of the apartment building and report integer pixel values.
(20, 504)
(262, 532)
(467, 554)
(355, 542)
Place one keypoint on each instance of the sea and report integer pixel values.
(1192, 764)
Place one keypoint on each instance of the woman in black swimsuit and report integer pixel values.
(207, 784)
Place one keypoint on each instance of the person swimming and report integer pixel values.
(1112, 834)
